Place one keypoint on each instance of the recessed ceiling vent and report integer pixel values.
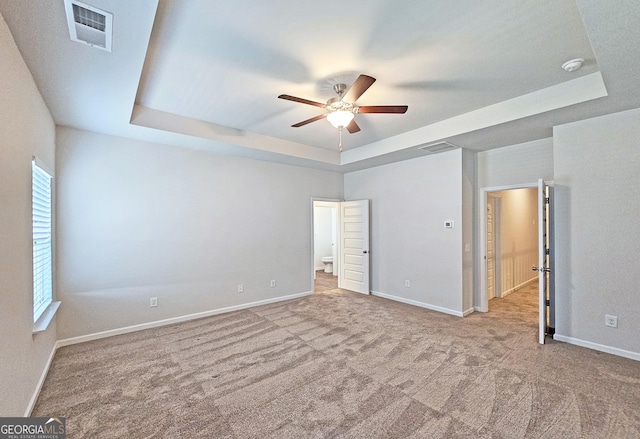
(434, 148)
(89, 25)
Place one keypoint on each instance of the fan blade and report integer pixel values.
(359, 86)
(353, 127)
(301, 100)
(399, 109)
(304, 122)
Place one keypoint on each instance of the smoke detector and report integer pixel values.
(89, 25)
(573, 65)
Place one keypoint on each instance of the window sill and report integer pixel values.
(43, 322)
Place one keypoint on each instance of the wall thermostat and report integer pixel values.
(448, 224)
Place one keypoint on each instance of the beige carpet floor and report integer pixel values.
(324, 282)
(343, 365)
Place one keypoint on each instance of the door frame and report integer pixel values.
(497, 254)
(483, 301)
(337, 226)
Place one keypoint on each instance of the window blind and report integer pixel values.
(42, 260)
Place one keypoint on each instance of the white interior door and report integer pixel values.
(543, 268)
(354, 248)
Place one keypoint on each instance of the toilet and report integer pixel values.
(328, 264)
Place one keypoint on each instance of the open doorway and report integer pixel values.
(326, 261)
(491, 202)
(346, 253)
(517, 263)
(511, 240)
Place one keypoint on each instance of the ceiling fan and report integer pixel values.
(342, 109)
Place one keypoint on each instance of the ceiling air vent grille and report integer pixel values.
(434, 148)
(89, 18)
(89, 25)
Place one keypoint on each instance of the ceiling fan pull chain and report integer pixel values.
(340, 145)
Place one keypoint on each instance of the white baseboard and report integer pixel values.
(43, 376)
(517, 287)
(468, 311)
(598, 347)
(157, 323)
(420, 304)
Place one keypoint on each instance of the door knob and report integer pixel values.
(364, 251)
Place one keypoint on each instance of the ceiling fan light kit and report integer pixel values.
(342, 108)
(340, 118)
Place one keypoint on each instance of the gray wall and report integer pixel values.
(593, 165)
(138, 220)
(27, 130)
(517, 164)
(597, 208)
(468, 225)
(410, 201)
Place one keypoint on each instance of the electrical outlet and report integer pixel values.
(407, 283)
(611, 321)
(153, 302)
(273, 283)
(240, 288)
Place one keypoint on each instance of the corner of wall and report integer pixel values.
(27, 130)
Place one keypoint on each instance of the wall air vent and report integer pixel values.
(434, 148)
(89, 25)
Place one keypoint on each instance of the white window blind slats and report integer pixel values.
(40, 202)
(42, 251)
(41, 206)
(41, 257)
